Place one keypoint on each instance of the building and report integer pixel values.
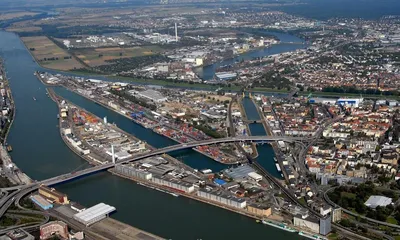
(325, 225)
(94, 214)
(325, 210)
(255, 176)
(309, 223)
(50, 229)
(222, 198)
(260, 210)
(149, 94)
(17, 234)
(350, 102)
(173, 184)
(336, 214)
(41, 202)
(375, 201)
(52, 194)
(133, 172)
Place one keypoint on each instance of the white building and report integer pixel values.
(222, 198)
(350, 102)
(94, 214)
(150, 94)
(375, 201)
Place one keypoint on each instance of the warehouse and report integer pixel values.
(173, 183)
(223, 198)
(255, 176)
(375, 201)
(149, 94)
(133, 172)
(54, 195)
(41, 202)
(94, 214)
(354, 102)
(308, 223)
(240, 172)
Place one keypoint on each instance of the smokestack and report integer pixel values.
(176, 32)
(112, 153)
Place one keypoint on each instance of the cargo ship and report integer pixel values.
(311, 236)
(161, 190)
(279, 225)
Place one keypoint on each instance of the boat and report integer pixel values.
(34, 99)
(279, 225)
(58, 116)
(161, 190)
(277, 167)
(276, 160)
(9, 148)
(311, 236)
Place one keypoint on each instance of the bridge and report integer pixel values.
(22, 190)
(177, 147)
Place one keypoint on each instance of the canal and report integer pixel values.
(265, 151)
(40, 152)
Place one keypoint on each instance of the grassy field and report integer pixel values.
(43, 48)
(391, 220)
(99, 56)
(348, 195)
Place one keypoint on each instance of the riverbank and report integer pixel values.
(12, 172)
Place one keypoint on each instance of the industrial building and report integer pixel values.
(17, 234)
(309, 223)
(52, 194)
(350, 102)
(41, 202)
(94, 214)
(50, 229)
(133, 172)
(259, 209)
(173, 183)
(240, 172)
(223, 198)
(375, 201)
(331, 101)
(149, 94)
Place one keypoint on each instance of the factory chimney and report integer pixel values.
(176, 32)
(112, 154)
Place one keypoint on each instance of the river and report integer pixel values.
(40, 152)
(287, 44)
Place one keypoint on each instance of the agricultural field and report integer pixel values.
(24, 29)
(11, 15)
(49, 55)
(99, 56)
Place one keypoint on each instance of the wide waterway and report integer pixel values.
(287, 43)
(40, 152)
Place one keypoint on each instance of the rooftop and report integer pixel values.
(94, 212)
(375, 201)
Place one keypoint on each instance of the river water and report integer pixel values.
(39, 151)
(265, 151)
(287, 43)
